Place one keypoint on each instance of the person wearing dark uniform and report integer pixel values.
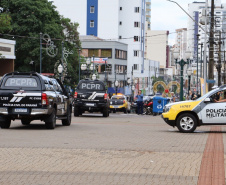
(139, 97)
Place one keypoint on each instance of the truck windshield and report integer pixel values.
(21, 82)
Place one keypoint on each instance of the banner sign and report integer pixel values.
(100, 60)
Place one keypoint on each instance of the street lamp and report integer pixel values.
(79, 62)
(94, 77)
(133, 88)
(32, 63)
(182, 62)
(116, 86)
(129, 82)
(88, 66)
(93, 63)
(60, 70)
(189, 72)
(92, 67)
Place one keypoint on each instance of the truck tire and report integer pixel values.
(5, 124)
(25, 122)
(76, 112)
(51, 121)
(105, 112)
(67, 121)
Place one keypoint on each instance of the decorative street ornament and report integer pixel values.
(51, 49)
(166, 87)
(66, 53)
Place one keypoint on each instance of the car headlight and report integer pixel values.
(166, 108)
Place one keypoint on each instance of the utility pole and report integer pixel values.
(201, 61)
(40, 53)
(218, 66)
(197, 72)
(224, 69)
(211, 48)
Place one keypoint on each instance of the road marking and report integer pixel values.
(212, 167)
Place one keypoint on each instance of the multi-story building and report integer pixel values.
(110, 59)
(181, 41)
(196, 34)
(7, 56)
(158, 50)
(117, 20)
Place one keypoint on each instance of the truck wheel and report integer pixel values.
(5, 124)
(105, 112)
(76, 112)
(186, 123)
(51, 121)
(67, 121)
(25, 122)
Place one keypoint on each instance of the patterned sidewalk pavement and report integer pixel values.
(121, 149)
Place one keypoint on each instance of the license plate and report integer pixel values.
(115, 106)
(19, 110)
(90, 104)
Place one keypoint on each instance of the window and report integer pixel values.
(120, 8)
(92, 52)
(120, 37)
(108, 68)
(92, 9)
(106, 53)
(120, 54)
(136, 38)
(135, 67)
(136, 24)
(92, 23)
(21, 82)
(137, 9)
(120, 23)
(136, 53)
(120, 69)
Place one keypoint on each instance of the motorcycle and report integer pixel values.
(148, 107)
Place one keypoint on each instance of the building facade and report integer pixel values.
(124, 23)
(110, 59)
(7, 56)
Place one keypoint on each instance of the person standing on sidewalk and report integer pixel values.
(139, 97)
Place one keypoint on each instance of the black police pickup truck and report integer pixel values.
(31, 96)
(91, 96)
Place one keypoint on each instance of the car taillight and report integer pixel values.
(44, 99)
(75, 95)
(105, 96)
(124, 101)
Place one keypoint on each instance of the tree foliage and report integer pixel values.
(29, 18)
(5, 22)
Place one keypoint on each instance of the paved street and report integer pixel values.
(122, 149)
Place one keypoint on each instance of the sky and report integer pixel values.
(165, 15)
(169, 16)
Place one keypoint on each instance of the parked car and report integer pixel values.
(119, 103)
(32, 96)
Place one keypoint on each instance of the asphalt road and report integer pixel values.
(120, 149)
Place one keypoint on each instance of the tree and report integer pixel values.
(5, 22)
(73, 44)
(29, 19)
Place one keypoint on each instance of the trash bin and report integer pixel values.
(158, 104)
